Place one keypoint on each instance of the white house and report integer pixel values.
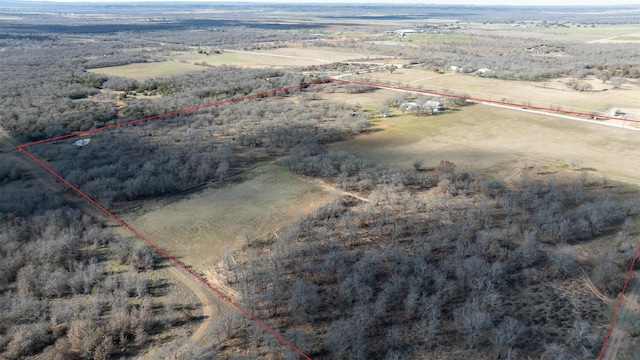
(409, 106)
(484, 71)
(434, 105)
(402, 32)
(430, 105)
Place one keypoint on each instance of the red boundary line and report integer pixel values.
(270, 92)
(635, 257)
(161, 251)
(21, 148)
(177, 112)
(479, 100)
(615, 312)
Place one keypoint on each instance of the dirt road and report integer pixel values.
(620, 338)
(211, 303)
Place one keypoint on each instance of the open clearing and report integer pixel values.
(202, 227)
(544, 93)
(601, 33)
(182, 62)
(494, 142)
(145, 71)
(281, 57)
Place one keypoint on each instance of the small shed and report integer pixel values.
(81, 142)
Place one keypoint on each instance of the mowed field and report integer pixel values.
(544, 93)
(599, 33)
(144, 71)
(282, 57)
(182, 62)
(202, 227)
(497, 142)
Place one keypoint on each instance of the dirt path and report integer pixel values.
(589, 284)
(210, 301)
(614, 344)
(619, 338)
(332, 188)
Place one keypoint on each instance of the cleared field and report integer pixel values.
(598, 33)
(201, 228)
(496, 142)
(545, 93)
(628, 38)
(282, 57)
(144, 71)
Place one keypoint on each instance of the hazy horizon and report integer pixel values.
(421, 2)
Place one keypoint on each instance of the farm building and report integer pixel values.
(484, 71)
(402, 32)
(435, 105)
(455, 68)
(409, 106)
(430, 106)
(81, 142)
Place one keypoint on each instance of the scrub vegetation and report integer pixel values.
(352, 222)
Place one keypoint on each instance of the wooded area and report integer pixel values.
(433, 258)
(400, 264)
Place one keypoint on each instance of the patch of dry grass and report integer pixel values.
(202, 227)
(548, 93)
(144, 71)
(496, 142)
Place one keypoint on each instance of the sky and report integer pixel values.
(440, 2)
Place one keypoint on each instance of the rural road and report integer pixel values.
(608, 122)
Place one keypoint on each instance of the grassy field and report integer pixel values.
(545, 93)
(282, 57)
(497, 142)
(627, 38)
(201, 228)
(585, 33)
(144, 71)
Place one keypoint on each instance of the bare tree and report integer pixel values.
(563, 260)
(617, 82)
(507, 334)
(472, 322)
(417, 164)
